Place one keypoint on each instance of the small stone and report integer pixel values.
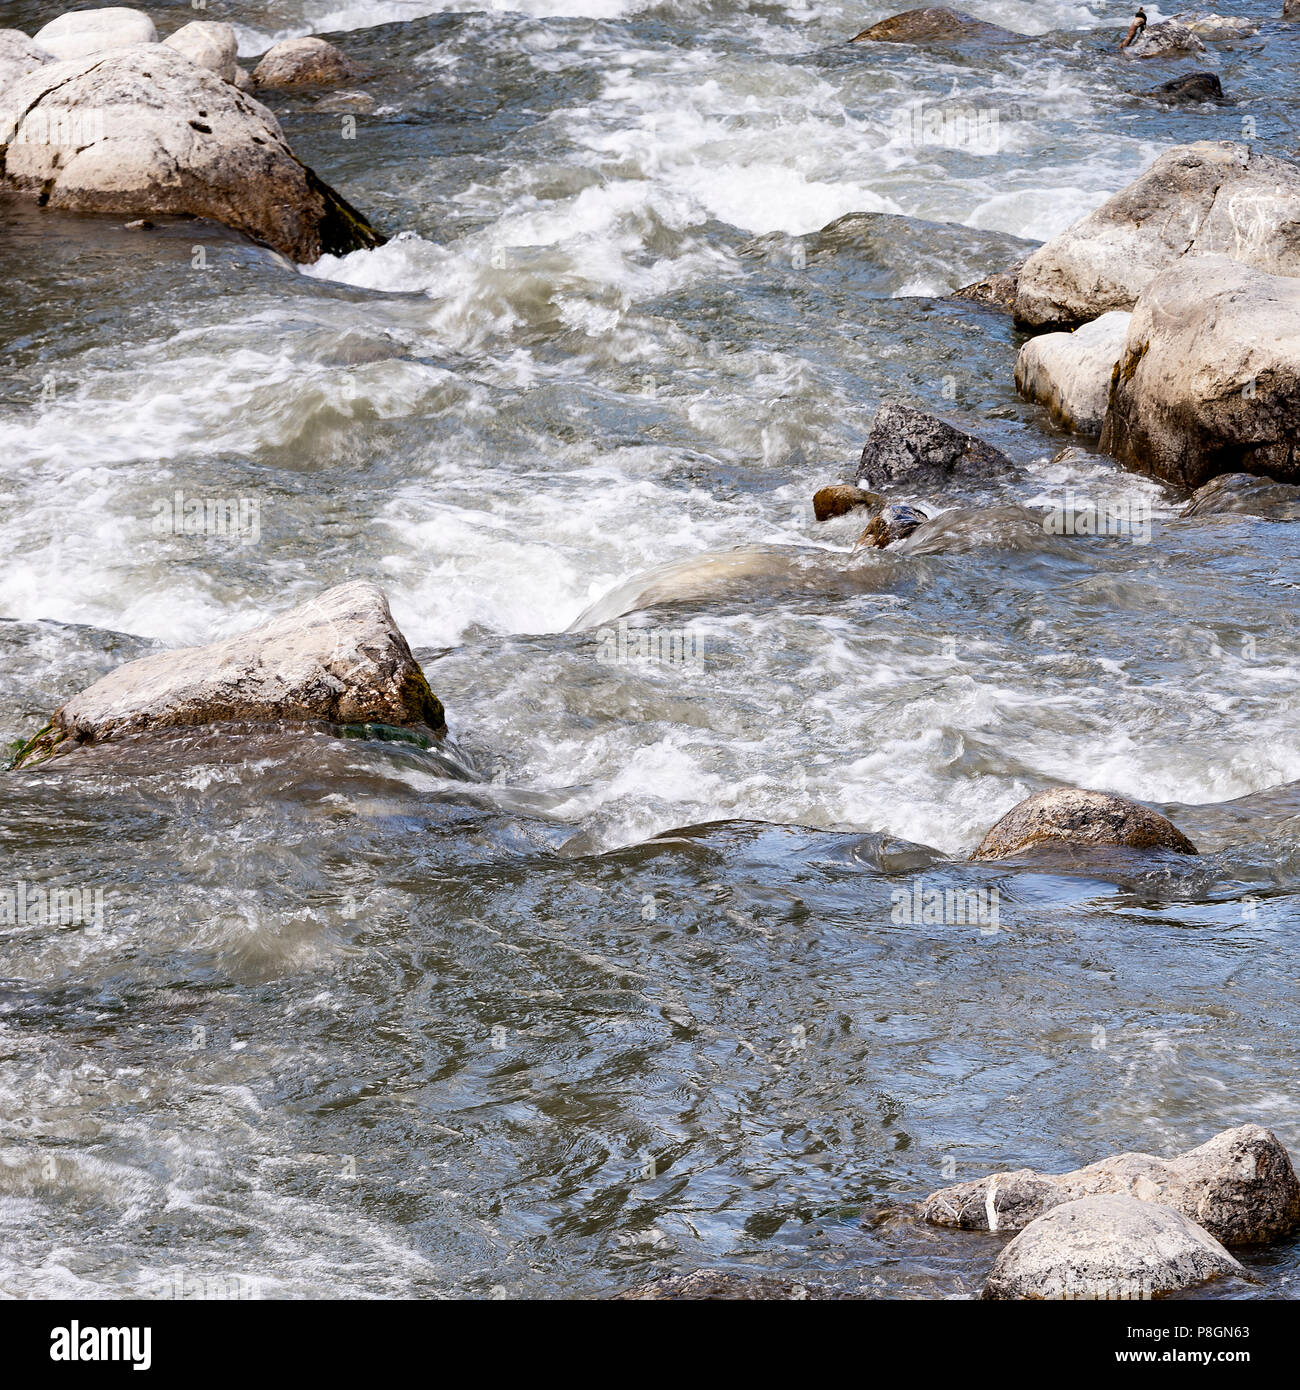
(308, 62)
(840, 498)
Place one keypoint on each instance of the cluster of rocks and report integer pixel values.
(96, 115)
(338, 660)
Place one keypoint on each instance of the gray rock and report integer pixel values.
(89, 33)
(909, 447)
(996, 291)
(1243, 494)
(839, 498)
(1240, 1186)
(937, 24)
(894, 523)
(1108, 1248)
(1209, 198)
(1083, 819)
(144, 131)
(339, 658)
(309, 62)
(18, 56)
(1190, 88)
(1209, 379)
(210, 44)
(1162, 40)
(1070, 373)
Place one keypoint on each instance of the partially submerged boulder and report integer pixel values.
(339, 658)
(210, 44)
(89, 33)
(893, 523)
(1082, 819)
(1164, 40)
(1243, 494)
(907, 447)
(18, 56)
(936, 24)
(840, 499)
(1108, 1248)
(1189, 89)
(308, 62)
(1209, 379)
(1070, 373)
(145, 131)
(996, 291)
(1240, 1186)
(1217, 27)
(1208, 198)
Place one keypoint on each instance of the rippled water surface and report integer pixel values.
(635, 999)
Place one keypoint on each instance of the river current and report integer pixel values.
(640, 990)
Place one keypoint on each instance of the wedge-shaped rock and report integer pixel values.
(339, 658)
(1084, 819)
(1109, 1248)
(143, 131)
(1240, 1186)
(907, 447)
(1070, 373)
(1209, 379)
(1210, 198)
(210, 44)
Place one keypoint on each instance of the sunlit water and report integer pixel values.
(349, 1027)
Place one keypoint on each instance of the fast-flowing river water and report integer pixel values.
(638, 996)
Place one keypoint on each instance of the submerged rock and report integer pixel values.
(908, 447)
(721, 1285)
(18, 56)
(1070, 373)
(1243, 494)
(1190, 88)
(89, 33)
(894, 523)
(937, 24)
(1209, 380)
(1085, 819)
(1161, 40)
(209, 44)
(1209, 198)
(840, 498)
(1240, 1186)
(309, 62)
(339, 658)
(996, 291)
(1108, 1248)
(146, 131)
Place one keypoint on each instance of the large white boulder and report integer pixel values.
(1210, 198)
(87, 33)
(210, 44)
(18, 56)
(145, 131)
(1070, 373)
(1209, 379)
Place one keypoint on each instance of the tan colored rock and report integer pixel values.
(90, 33)
(210, 44)
(1209, 198)
(937, 24)
(996, 291)
(1240, 1186)
(18, 56)
(893, 523)
(307, 62)
(1108, 1248)
(1084, 819)
(1209, 379)
(840, 498)
(1070, 373)
(145, 131)
(339, 658)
